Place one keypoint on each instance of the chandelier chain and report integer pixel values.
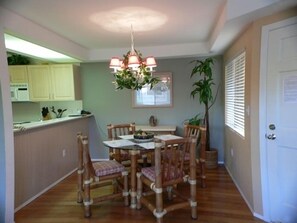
(132, 41)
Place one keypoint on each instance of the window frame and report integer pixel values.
(160, 75)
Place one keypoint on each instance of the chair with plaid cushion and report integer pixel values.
(199, 133)
(95, 175)
(168, 174)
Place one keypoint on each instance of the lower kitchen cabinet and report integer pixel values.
(44, 156)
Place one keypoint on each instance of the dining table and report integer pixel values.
(134, 146)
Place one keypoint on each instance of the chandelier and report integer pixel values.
(133, 72)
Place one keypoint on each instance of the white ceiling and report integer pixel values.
(192, 28)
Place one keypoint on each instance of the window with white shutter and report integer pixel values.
(234, 94)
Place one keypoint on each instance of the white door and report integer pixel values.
(281, 123)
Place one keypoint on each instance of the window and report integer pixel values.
(234, 93)
(159, 96)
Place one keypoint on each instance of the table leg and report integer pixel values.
(133, 154)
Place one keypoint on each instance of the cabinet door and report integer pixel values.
(62, 82)
(39, 82)
(18, 74)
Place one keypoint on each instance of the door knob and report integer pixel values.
(271, 136)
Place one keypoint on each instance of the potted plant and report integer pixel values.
(203, 89)
(196, 120)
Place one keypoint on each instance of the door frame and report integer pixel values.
(262, 110)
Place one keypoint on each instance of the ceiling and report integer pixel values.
(188, 28)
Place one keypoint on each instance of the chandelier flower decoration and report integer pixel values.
(133, 72)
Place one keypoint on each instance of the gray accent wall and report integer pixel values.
(110, 106)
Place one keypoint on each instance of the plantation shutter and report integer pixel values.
(234, 93)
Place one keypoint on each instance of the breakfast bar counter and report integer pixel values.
(45, 153)
(19, 128)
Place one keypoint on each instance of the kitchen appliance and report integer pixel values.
(19, 92)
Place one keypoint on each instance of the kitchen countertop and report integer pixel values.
(37, 124)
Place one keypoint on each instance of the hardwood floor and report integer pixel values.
(219, 202)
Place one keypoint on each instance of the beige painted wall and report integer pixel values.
(244, 166)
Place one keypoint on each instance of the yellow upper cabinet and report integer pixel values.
(65, 82)
(59, 82)
(18, 74)
(39, 82)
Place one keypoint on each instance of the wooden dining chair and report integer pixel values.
(122, 156)
(113, 132)
(199, 132)
(167, 174)
(95, 175)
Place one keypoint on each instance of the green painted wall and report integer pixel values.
(110, 106)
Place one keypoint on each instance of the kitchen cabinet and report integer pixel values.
(18, 74)
(39, 82)
(65, 82)
(58, 82)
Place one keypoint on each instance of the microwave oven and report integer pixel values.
(19, 92)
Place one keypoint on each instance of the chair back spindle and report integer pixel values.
(114, 131)
(199, 132)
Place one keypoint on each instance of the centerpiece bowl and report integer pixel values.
(142, 136)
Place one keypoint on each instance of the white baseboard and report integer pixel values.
(246, 201)
(260, 217)
(43, 191)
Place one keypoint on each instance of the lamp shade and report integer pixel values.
(151, 62)
(133, 61)
(115, 62)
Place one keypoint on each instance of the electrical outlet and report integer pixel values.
(232, 152)
(64, 152)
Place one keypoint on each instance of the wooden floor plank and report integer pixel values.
(219, 202)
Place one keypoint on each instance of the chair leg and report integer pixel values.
(80, 170)
(193, 200)
(201, 174)
(126, 187)
(159, 207)
(144, 159)
(193, 184)
(139, 190)
(203, 177)
(169, 192)
(79, 186)
(87, 199)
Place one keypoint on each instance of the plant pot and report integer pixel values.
(211, 159)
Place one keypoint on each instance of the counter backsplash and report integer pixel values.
(31, 111)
